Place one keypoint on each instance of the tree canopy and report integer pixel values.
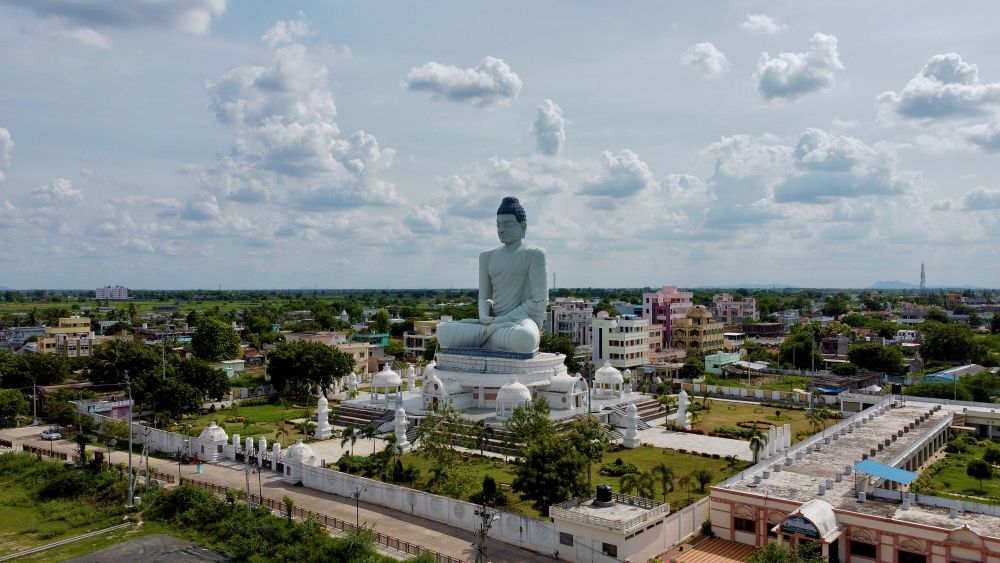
(552, 471)
(876, 357)
(214, 340)
(951, 341)
(556, 344)
(291, 364)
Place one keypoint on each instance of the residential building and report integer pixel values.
(612, 526)
(415, 341)
(715, 362)
(697, 330)
(112, 293)
(623, 341)
(72, 338)
(734, 311)
(572, 317)
(380, 339)
(14, 337)
(659, 350)
(834, 346)
(666, 306)
(733, 340)
(230, 367)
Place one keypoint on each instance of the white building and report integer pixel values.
(572, 317)
(622, 341)
(112, 293)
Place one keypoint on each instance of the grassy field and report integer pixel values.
(726, 413)
(784, 383)
(644, 458)
(947, 478)
(261, 420)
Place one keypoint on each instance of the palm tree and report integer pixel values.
(349, 435)
(816, 421)
(629, 483)
(642, 484)
(687, 482)
(758, 441)
(281, 435)
(479, 427)
(667, 402)
(369, 433)
(666, 476)
(390, 444)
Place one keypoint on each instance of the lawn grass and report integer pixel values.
(947, 478)
(265, 420)
(729, 413)
(644, 458)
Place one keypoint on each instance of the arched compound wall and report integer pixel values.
(529, 533)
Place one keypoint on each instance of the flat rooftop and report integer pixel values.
(800, 481)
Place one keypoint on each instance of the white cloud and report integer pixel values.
(424, 219)
(942, 205)
(206, 209)
(476, 193)
(491, 82)
(761, 25)
(947, 87)
(622, 175)
(985, 136)
(549, 128)
(706, 59)
(57, 193)
(790, 76)
(981, 198)
(287, 142)
(6, 150)
(79, 20)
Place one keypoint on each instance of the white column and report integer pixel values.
(261, 448)
(788, 436)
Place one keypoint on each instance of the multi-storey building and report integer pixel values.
(415, 341)
(572, 317)
(734, 311)
(698, 330)
(666, 306)
(72, 338)
(623, 341)
(112, 293)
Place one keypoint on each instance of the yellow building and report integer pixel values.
(699, 330)
(415, 341)
(72, 338)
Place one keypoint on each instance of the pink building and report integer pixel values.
(734, 311)
(665, 306)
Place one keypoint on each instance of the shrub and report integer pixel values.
(618, 468)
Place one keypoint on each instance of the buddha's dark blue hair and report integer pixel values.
(511, 206)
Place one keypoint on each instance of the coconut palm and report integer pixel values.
(758, 441)
(666, 476)
(667, 402)
(348, 435)
(687, 482)
(642, 484)
(369, 433)
(817, 422)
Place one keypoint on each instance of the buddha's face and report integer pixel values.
(509, 230)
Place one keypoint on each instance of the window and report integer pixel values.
(862, 549)
(744, 525)
(910, 557)
(565, 539)
(220, 448)
(609, 549)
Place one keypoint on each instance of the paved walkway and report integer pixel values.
(709, 550)
(663, 438)
(414, 529)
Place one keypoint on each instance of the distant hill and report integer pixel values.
(894, 284)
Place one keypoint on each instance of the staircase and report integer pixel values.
(649, 409)
(357, 417)
(623, 412)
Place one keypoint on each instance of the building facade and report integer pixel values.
(734, 311)
(666, 305)
(572, 317)
(698, 330)
(622, 341)
(415, 341)
(112, 293)
(72, 338)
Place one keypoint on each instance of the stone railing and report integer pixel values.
(653, 508)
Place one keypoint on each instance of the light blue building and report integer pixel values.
(715, 362)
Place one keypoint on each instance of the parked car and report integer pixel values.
(51, 434)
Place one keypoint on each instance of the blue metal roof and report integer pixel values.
(885, 471)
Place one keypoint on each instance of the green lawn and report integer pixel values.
(727, 413)
(264, 420)
(644, 458)
(947, 478)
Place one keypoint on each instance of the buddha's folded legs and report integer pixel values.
(521, 337)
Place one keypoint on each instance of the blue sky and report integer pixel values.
(200, 143)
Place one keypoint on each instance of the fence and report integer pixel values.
(325, 520)
(45, 452)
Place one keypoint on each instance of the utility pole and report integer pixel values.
(131, 479)
(246, 471)
(34, 401)
(486, 519)
(357, 504)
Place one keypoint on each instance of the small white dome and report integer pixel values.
(213, 433)
(298, 452)
(514, 392)
(386, 378)
(352, 379)
(562, 383)
(411, 371)
(609, 375)
(627, 373)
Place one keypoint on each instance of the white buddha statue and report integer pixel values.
(512, 292)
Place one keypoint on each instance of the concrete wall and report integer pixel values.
(759, 394)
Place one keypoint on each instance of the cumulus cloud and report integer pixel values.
(80, 20)
(57, 193)
(981, 199)
(706, 59)
(6, 150)
(986, 136)
(477, 192)
(287, 142)
(761, 25)
(424, 219)
(947, 87)
(489, 83)
(206, 209)
(549, 128)
(790, 76)
(622, 174)
(942, 205)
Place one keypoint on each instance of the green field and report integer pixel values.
(947, 477)
(261, 420)
(729, 413)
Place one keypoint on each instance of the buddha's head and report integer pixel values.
(511, 221)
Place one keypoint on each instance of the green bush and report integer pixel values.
(618, 468)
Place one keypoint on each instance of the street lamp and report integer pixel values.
(486, 519)
(357, 504)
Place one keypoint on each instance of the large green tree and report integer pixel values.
(214, 340)
(109, 361)
(553, 471)
(799, 350)
(590, 438)
(995, 324)
(951, 341)
(836, 305)
(199, 374)
(293, 363)
(556, 344)
(876, 357)
(12, 403)
(529, 422)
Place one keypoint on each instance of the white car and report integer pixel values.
(51, 435)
